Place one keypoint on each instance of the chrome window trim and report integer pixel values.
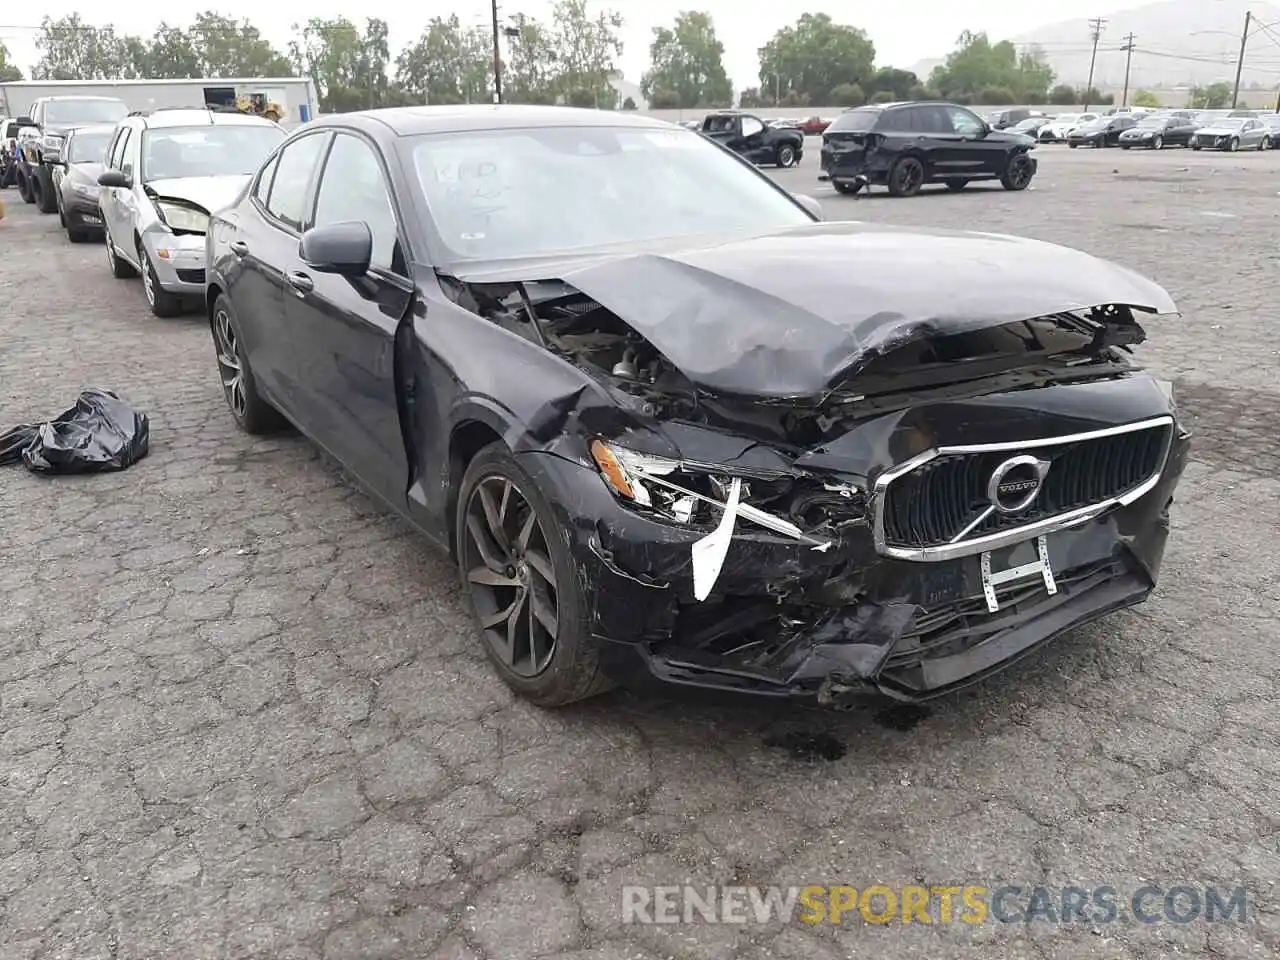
(1004, 538)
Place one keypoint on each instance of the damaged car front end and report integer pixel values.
(703, 440)
(840, 493)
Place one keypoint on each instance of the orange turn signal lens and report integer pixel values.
(612, 470)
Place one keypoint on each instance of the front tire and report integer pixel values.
(786, 155)
(1157, 143)
(120, 269)
(522, 584)
(1017, 173)
(1233, 145)
(1265, 144)
(251, 412)
(24, 186)
(906, 177)
(162, 303)
(848, 189)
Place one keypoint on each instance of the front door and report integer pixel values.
(110, 200)
(968, 150)
(343, 329)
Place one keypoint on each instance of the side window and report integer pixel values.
(130, 161)
(751, 126)
(895, 121)
(963, 122)
(288, 197)
(117, 149)
(934, 120)
(263, 187)
(353, 187)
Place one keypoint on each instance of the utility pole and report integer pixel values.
(1128, 60)
(497, 57)
(1244, 40)
(1095, 31)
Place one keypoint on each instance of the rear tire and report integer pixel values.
(42, 188)
(24, 187)
(906, 177)
(1157, 143)
(572, 670)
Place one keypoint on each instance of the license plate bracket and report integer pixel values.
(1039, 567)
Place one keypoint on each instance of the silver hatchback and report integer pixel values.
(165, 173)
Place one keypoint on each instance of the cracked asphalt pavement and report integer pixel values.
(243, 713)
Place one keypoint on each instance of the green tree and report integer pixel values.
(447, 64)
(1063, 95)
(8, 71)
(1145, 98)
(664, 100)
(347, 65)
(995, 97)
(882, 96)
(898, 83)
(230, 48)
(977, 64)
(586, 52)
(687, 60)
(172, 55)
(751, 99)
(532, 68)
(1215, 96)
(848, 95)
(71, 49)
(814, 56)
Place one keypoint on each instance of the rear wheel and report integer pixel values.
(42, 189)
(521, 580)
(251, 413)
(24, 187)
(906, 177)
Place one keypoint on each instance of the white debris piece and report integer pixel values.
(709, 552)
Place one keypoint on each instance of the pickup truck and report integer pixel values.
(753, 139)
(41, 136)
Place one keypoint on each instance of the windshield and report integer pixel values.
(538, 191)
(1157, 123)
(855, 121)
(1228, 124)
(63, 112)
(89, 147)
(207, 151)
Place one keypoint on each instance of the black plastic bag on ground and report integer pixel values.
(101, 432)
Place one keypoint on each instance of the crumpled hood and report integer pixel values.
(791, 313)
(1217, 131)
(211, 193)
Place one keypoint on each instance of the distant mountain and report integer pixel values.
(1176, 43)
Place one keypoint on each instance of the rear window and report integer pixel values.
(861, 120)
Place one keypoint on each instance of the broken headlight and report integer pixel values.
(671, 488)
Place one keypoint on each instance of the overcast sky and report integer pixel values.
(903, 33)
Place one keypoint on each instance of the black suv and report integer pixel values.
(903, 146)
(39, 154)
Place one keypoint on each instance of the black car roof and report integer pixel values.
(411, 121)
(900, 104)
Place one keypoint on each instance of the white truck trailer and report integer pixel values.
(296, 98)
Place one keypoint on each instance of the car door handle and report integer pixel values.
(301, 282)
(239, 248)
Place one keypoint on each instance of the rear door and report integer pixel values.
(343, 330)
(267, 249)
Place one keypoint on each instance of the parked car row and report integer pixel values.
(549, 340)
(1160, 129)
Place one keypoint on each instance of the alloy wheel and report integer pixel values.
(910, 175)
(786, 156)
(1158, 143)
(148, 281)
(1020, 171)
(510, 576)
(230, 368)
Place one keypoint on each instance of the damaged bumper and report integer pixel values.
(847, 623)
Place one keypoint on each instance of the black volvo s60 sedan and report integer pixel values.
(674, 428)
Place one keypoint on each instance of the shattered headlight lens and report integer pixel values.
(692, 493)
(666, 486)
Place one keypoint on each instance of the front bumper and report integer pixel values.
(179, 260)
(842, 626)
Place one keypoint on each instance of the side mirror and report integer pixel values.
(810, 204)
(115, 178)
(344, 249)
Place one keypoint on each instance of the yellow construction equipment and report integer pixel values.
(258, 105)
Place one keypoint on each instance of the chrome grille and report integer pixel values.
(943, 502)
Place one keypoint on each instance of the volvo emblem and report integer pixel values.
(1015, 484)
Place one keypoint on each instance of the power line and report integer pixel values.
(1095, 31)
